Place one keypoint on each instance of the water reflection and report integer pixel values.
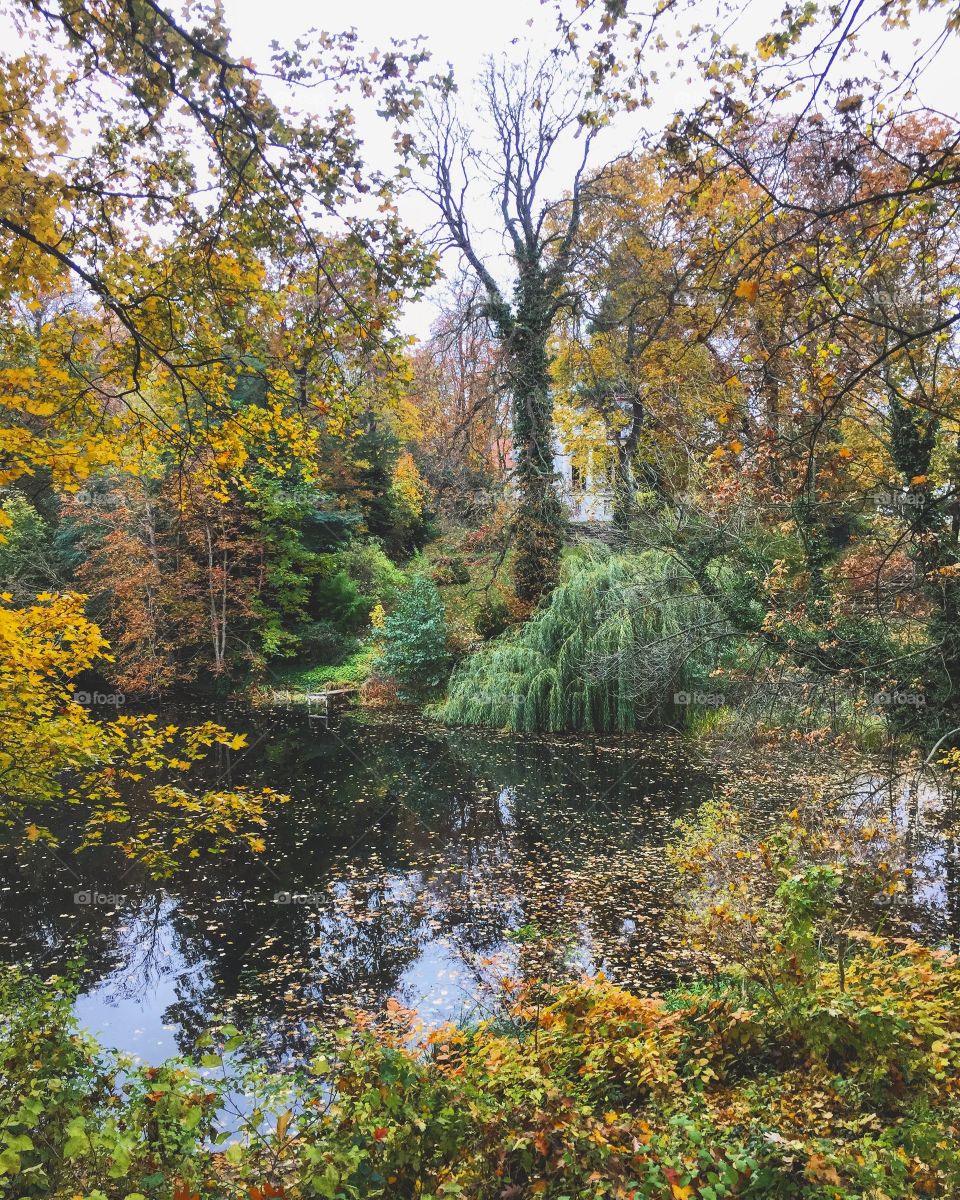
(413, 862)
(418, 864)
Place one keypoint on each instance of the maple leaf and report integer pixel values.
(747, 289)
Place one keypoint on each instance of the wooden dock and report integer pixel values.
(323, 698)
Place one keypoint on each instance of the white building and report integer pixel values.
(586, 497)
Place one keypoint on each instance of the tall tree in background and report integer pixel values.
(531, 112)
(634, 375)
(461, 395)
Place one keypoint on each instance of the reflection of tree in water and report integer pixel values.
(44, 924)
(401, 836)
(364, 849)
(410, 842)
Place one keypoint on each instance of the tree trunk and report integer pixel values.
(539, 522)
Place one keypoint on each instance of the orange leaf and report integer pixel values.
(748, 289)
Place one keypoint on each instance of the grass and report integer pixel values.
(301, 677)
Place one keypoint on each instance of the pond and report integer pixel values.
(421, 865)
(413, 863)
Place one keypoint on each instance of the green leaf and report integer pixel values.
(191, 1118)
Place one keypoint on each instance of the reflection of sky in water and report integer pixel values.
(127, 1008)
(424, 865)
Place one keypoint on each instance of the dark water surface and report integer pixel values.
(415, 863)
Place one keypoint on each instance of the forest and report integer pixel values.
(479, 601)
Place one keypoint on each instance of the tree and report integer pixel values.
(54, 749)
(531, 111)
(635, 376)
(461, 394)
(152, 264)
(415, 650)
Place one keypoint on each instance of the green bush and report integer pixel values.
(337, 598)
(415, 641)
(715, 1092)
(76, 1119)
(27, 560)
(376, 575)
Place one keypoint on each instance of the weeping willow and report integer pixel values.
(618, 637)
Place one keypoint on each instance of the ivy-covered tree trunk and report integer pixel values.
(539, 520)
(532, 110)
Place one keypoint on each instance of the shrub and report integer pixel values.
(337, 598)
(321, 642)
(587, 1091)
(374, 573)
(414, 640)
(73, 1115)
